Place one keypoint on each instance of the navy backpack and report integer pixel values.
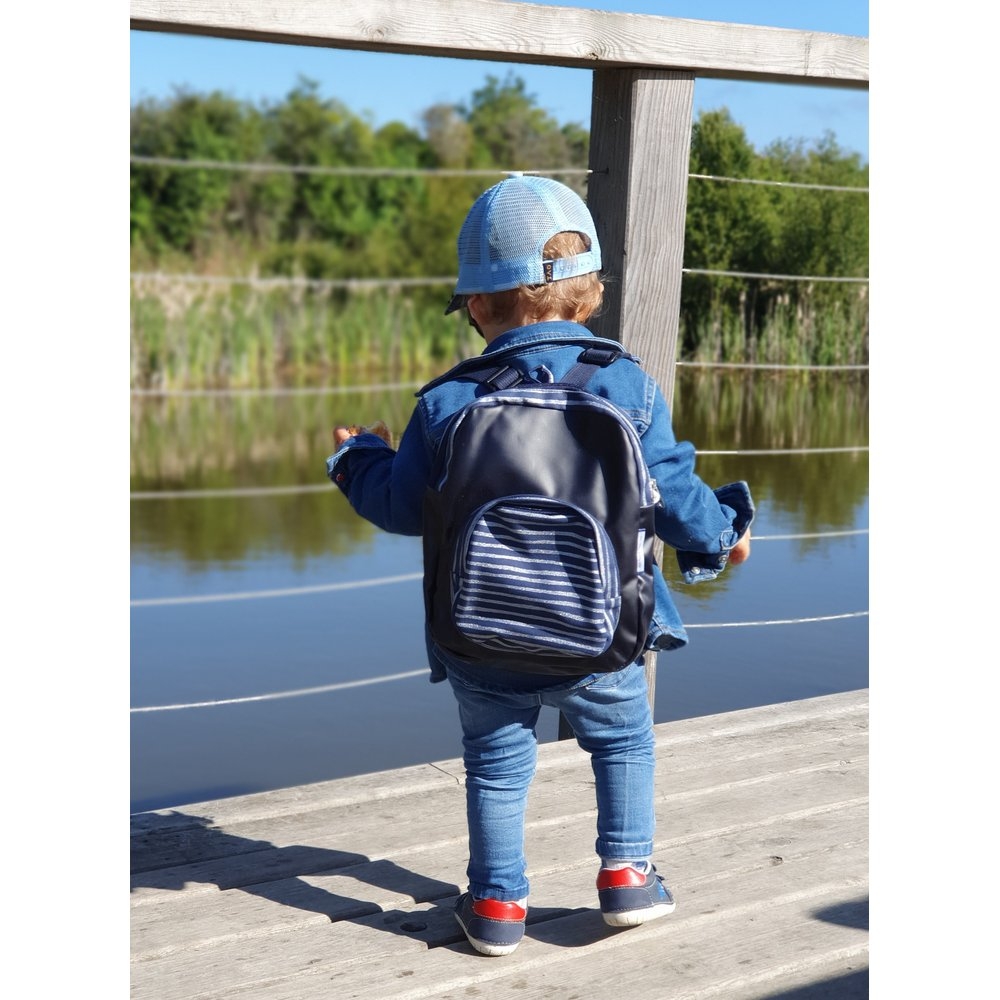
(538, 526)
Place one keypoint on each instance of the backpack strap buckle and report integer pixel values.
(600, 356)
(588, 362)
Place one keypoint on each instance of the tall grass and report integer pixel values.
(204, 336)
(242, 337)
(822, 329)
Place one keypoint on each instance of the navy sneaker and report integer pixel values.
(631, 896)
(492, 927)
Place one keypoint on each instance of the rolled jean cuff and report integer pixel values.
(492, 892)
(623, 852)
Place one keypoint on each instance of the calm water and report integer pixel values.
(234, 679)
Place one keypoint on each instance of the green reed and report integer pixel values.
(246, 337)
(204, 336)
(833, 331)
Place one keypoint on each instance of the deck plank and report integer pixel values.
(762, 833)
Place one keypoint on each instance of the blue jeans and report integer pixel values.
(611, 719)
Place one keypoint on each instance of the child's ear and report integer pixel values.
(474, 303)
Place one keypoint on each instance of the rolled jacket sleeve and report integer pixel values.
(690, 516)
(384, 486)
(736, 501)
(700, 523)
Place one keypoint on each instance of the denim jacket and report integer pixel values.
(387, 487)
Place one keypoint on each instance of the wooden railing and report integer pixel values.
(641, 108)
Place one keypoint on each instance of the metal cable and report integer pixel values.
(265, 491)
(354, 171)
(323, 588)
(770, 277)
(336, 390)
(784, 184)
(770, 367)
(286, 282)
(250, 595)
(786, 451)
(326, 390)
(244, 491)
(347, 171)
(360, 284)
(344, 685)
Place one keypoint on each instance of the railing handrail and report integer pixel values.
(550, 35)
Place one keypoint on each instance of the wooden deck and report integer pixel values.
(344, 888)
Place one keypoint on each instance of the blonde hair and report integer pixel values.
(575, 299)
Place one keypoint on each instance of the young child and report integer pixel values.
(529, 263)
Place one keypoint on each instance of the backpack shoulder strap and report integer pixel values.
(589, 361)
(497, 377)
(493, 372)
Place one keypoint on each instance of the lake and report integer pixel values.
(276, 638)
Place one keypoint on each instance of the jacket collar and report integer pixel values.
(521, 338)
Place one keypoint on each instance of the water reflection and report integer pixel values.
(297, 639)
(246, 441)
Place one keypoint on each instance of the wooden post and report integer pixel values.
(640, 142)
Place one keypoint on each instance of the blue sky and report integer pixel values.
(396, 87)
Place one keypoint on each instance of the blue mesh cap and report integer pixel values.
(501, 240)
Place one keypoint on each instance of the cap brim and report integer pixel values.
(457, 302)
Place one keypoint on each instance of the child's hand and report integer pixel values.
(378, 428)
(740, 552)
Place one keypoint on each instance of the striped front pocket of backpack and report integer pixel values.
(536, 575)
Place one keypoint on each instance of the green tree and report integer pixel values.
(824, 233)
(308, 130)
(770, 230)
(341, 225)
(729, 227)
(510, 131)
(184, 209)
